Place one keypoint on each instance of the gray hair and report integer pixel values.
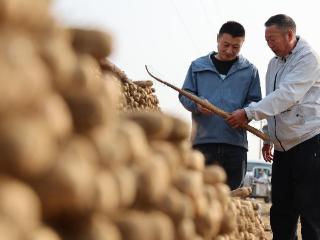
(282, 21)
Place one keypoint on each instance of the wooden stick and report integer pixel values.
(211, 107)
(107, 65)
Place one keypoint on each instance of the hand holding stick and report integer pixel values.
(213, 108)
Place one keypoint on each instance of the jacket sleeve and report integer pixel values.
(292, 88)
(190, 86)
(254, 91)
(265, 130)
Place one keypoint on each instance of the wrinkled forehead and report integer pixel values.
(275, 31)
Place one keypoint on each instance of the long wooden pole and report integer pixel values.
(211, 107)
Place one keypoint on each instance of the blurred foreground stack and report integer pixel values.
(74, 167)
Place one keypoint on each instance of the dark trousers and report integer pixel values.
(296, 191)
(233, 159)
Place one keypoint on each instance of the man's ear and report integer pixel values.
(243, 39)
(291, 34)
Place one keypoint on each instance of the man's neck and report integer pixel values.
(292, 45)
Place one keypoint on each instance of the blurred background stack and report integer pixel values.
(85, 152)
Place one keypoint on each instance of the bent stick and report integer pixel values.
(210, 106)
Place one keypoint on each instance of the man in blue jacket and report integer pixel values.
(228, 81)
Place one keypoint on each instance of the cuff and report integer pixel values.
(248, 113)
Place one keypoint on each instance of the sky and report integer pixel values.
(168, 35)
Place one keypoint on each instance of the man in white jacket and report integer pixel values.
(292, 109)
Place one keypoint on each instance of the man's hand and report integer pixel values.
(237, 118)
(267, 152)
(204, 110)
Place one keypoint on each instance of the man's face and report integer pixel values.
(229, 47)
(278, 40)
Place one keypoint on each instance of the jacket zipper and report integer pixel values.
(274, 117)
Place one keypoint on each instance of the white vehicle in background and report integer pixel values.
(258, 177)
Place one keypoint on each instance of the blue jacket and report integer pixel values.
(240, 87)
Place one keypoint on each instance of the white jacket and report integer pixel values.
(292, 104)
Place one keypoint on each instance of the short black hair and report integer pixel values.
(233, 28)
(282, 21)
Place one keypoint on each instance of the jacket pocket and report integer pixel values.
(310, 112)
(293, 116)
